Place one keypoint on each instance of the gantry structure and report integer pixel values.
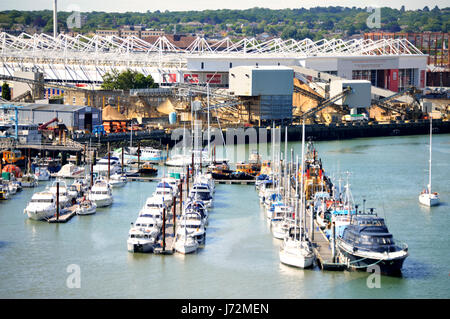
(82, 58)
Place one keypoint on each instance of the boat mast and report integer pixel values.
(285, 165)
(209, 131)
(296, 198)
(429, 171)
(301, 185)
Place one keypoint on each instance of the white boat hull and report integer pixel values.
(183, 248)
(102, 202)
(296, 259)
(41, 214)
(116, 184)
(87, 211)
(429, 200)
(139, 247)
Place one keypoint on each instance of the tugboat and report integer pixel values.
(148, 169)
(367, 241)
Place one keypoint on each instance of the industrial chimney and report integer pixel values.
(55, 19)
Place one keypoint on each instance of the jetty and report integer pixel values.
(65, 215)
(322, 247)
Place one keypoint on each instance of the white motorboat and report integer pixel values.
(70, 171)
(72, 191)
(63, 194)
(206, 178)
(191, 223)
(101, 168)
(81, 185)
(139, 240)
(41, 206)
(101, 193)
(164, 194)
(86, 207)
(173, 182)
(281, 220)
(202, 192)
(13, 188)
(148, 154)
(28, 180)
(42, 174)
(153, 211)
(428, 197)
(197, 206)
(186, 244)
(117, 180)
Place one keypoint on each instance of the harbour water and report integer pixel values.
(240, 258)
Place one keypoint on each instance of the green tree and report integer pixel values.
(6, 91)
(127, 80)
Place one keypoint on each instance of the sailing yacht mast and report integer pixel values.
(301, 185)
(429, 171)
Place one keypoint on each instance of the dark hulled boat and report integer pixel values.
(367, 241)
(147, 169)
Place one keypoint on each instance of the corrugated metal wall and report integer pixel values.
(275, 107)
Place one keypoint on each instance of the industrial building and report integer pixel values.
(72, 116)
(266, 90)
(392, 64)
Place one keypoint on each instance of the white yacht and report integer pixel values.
(41, 206)
(192, 224)
(70, 171)
(72, 191)
(164, 194)
(101, 193)
(86, 207)
(28, 180)
(152, 155)
(101, 167)
(64, 198)
(296, 253)
(12, 187)
(153, 210)
(296, 250)
(206, 178)
(149, 224)
(140, 240)
(186, 244)
(197, 206)
(42, 174)
(173, 182)
(202, 192)
(117, 180)
(281, 220)
(428, 197)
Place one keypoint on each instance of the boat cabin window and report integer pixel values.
(50, 200)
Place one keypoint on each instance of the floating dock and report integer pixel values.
(322, 248)
(217, 181)
(65, 215)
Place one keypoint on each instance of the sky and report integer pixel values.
(198, 5)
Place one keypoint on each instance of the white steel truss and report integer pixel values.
(73, 55)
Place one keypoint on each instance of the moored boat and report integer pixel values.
(367, 242)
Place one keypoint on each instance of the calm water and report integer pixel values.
(240, 259)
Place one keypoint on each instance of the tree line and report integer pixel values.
(314, 23)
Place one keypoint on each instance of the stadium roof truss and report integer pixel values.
(73, 55)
